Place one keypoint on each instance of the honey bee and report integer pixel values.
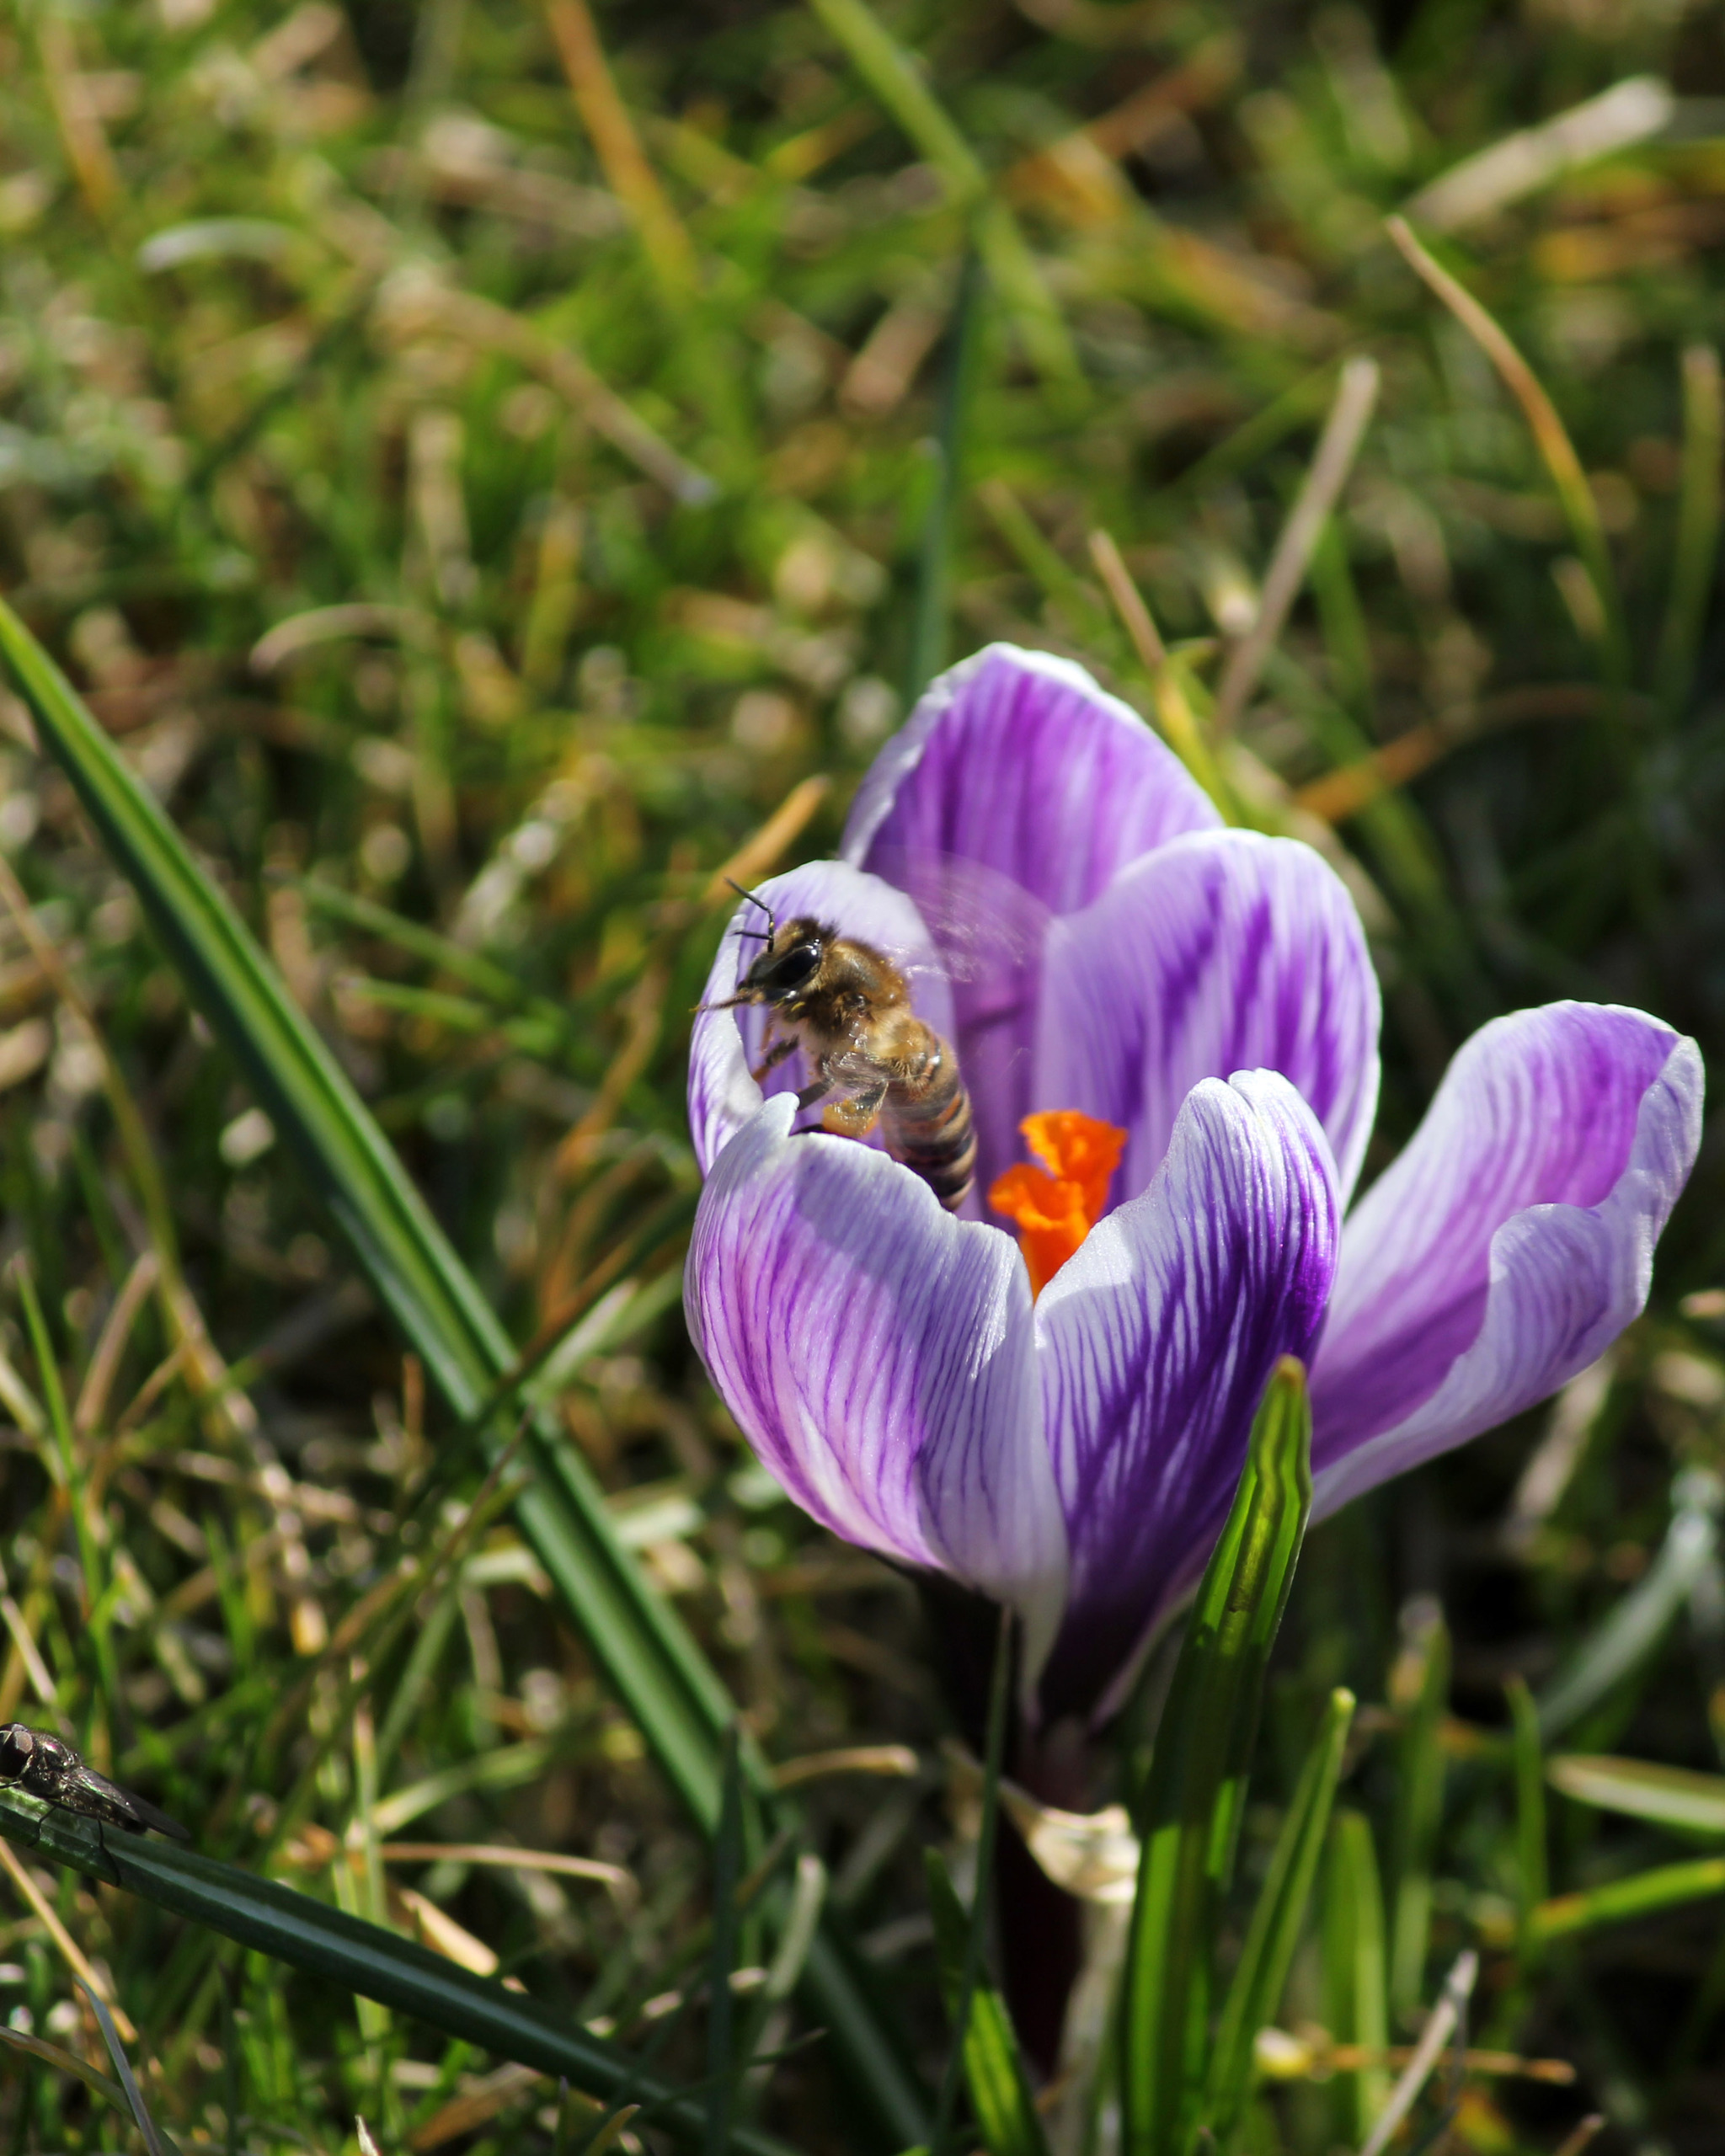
(846, 1006)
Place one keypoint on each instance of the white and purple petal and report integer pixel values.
(878, 1354)
(1511, 1241)
(1154, 1343)
(1224, 950)
(727, 1045)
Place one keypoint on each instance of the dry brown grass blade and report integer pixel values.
(82, 134)
(618, 147)
(104, 1363)
(1551, 436)
(1129, 601)
(890, 1759)
(64, 1943)
(1356, 393)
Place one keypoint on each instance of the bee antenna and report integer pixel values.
(772, 925)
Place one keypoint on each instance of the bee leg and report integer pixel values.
(774, 1056)
(810, 1094)
(855, 1118)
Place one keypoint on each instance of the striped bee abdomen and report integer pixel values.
(927, 1127)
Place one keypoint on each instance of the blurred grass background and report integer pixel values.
(491, 466)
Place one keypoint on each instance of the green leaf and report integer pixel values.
(1355, 1970)
(647, 1653)
(1006, 2116)
(1262, 1973)
(1196, 1788)
(362, 1957)
(1674, 1796)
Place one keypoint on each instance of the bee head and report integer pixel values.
(789, 964)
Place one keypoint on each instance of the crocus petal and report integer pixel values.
(1154, 1344)
(877, 1353)
(1016, 790)
(1511, 1241)
(1225, 950)
(726, 1044)
(1019, 763)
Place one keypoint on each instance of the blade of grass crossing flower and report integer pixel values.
(1355, 1970)
(1527, 1761)
(363, 1958)
(1697, 525)
(1551, 438)
(727, 1870)
(1007, 2117)
(1262, 1973)
(1419, 1691)
(648, 1655)
(1189, 1815)
(970, 1973)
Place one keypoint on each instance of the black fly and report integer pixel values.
(41, 1766)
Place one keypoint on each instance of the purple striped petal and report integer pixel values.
(726, 1044)
(877, 1355)
(1511, 1241)
(1016, 790)
(1154, 1343)
(1226, 951)
(1018, 762)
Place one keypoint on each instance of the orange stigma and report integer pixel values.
(1055, 1206)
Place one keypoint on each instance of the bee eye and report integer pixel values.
(796, 966)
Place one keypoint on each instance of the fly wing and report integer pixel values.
(86, 1792)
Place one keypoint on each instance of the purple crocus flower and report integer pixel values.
(1076, 920)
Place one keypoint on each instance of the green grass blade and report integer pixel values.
(1528, 1766)
(1420, 1690)
(122, 2067)
(1007, 2117)
(1262, 1974)
(934, 575)
(364, 1958)
(1355, 1970)
(1697, 525)
(1635, 1626)
(647, 1653)
(722, 1961)
(970, 1961)
(1195, 1792)
(1644, 1894)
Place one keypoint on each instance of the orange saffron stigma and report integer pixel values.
(1055, 1206)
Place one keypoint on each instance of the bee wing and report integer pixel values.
(984, 926)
